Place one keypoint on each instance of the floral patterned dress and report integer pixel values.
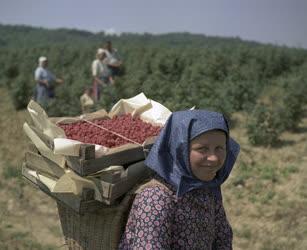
(159, 220)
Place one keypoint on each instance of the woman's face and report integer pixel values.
(207, 154)
(101, 56)
(45, 64)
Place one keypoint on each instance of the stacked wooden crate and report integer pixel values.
(88, 223)
(92, 214)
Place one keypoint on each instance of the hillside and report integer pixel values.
(35, 36)
(265, 197)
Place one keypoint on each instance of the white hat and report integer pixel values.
(100, 51)
(42, 59)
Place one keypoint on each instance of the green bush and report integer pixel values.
(21, 90)
(11, 71)
(108, 97)
(294, 99)
(264, 125)
(66, 102)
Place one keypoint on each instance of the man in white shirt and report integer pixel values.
(113, 59)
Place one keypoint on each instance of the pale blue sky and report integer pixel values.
(280, 22)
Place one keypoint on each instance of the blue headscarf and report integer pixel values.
(170, 155)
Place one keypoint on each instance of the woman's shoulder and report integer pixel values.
(155, 188)
(154, 198)
(39, 69)
(95, 61)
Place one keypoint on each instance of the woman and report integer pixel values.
(45, 82)
(182, 208)
(101, 74)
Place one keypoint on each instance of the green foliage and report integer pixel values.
(65, 103)
(294, 99)
(264, 125)
(109, 96)
(288, 170)
(21, 91)
(280, 107)
(11, 71)
(179, 70)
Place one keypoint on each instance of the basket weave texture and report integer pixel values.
(100, 230)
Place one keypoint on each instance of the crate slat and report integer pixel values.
(43, 164)
(87, 167)
(80, 205)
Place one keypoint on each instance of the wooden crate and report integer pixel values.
(112, 185)
(86, 223)
(86, 163)
(82, 204)
(35, 160)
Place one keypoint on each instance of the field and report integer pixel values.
(265, 196)
(262, 88)
(28, 218)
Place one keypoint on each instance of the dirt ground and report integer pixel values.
(26, 213)
(265, 197)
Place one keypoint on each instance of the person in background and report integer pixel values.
(101, 74)
(113, 60)
(86, 101)
(182, 207)
(45, 82)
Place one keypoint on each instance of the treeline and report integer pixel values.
(180, 70)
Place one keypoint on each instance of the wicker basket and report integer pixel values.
(100, 230)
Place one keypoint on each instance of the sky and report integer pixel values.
(281, 22)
